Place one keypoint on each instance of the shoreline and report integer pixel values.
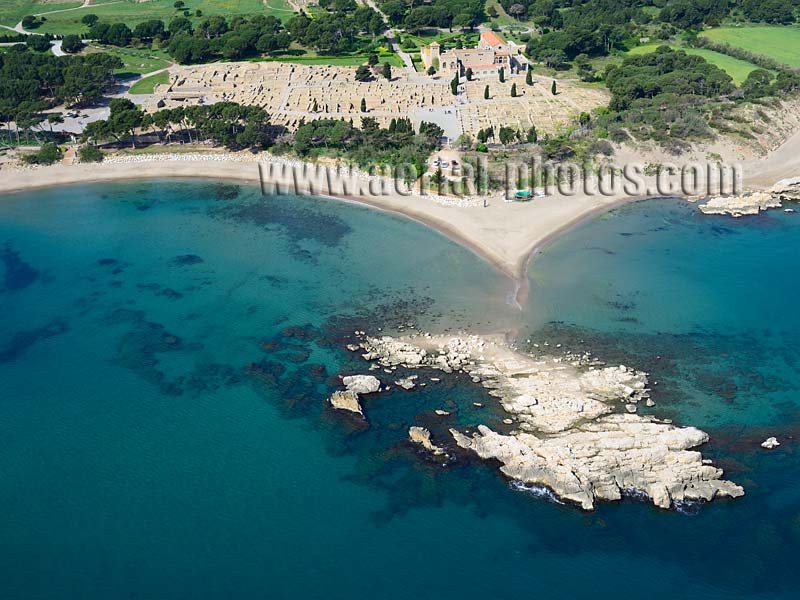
(507, 235)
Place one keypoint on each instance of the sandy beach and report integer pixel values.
(503, 233)
(506, 234)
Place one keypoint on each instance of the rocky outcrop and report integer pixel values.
(362, 384)
(738, 206)
(770, 443)
(356, 385)
(421, 436)
(752, 203)
(346, 400)
(574, 434)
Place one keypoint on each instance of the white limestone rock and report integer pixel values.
(421, 436)
(346, 400)
(362, 384)
(568, 437)
(770, 443)
(746, 204)
(407, 383)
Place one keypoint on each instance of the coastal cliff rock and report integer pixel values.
(574, 434)
(738, 206)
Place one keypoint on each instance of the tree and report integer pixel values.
(486, 93)
(47, 155)
(71, 44)
(554, 88)
(431, 71)
(532, 135)
(502, 74)
(464, 142)
(363, 73)
(39, 43)
(513, 90)
(387, 71)
(470, 74)
(529, 77)
(372, 60)
(584, 119)
(517, 11)
(119, 34)
(89, 20)
(454, 85)
(179, 4)
(507, 135)
(363, 105)
(89, 154)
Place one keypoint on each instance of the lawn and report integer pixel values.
(136, 61)
(131, 12)
(737, 69)
(779, 43)
(12, 11)
(148, 84)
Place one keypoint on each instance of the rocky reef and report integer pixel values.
(356, 385)
(752, 203)
(576, 430)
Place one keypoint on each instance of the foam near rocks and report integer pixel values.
(574, 435)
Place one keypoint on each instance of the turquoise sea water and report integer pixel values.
(166, 349)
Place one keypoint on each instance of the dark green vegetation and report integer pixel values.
(595, 28)
(248, 127)
(448, 14)
(225, 124)
(342, 27)
(370, 144)
(32, 82)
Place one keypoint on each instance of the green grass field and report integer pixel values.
(737, 69)
(132, 13)
(148, 84)
(12, 11)
(135, 61)
(779, 43)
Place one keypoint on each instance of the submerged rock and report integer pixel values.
(770, 443)
(569, 437)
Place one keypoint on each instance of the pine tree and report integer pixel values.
(529, 77)
(363, 105)
(454, 85)
(315, 107)
(502, 74)
(469, 73)
(533, 135)
(387, 71)
(513, 90)
(554, 88)
(486, 93)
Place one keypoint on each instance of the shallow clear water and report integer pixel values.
(166, 349)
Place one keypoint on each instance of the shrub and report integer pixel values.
(47, 155)
(90, 154)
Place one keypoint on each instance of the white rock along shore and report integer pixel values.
(752, 203)
(574, 434)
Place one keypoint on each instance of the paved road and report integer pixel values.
(391, 37)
